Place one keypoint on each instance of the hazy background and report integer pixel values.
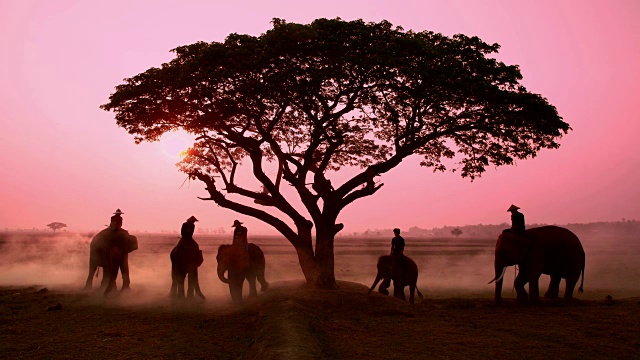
(64, 159)
(448, 267)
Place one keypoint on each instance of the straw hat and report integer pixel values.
(512, 208)
(236, 223)
(192, 218)
(118, 212)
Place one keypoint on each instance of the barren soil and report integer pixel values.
(291, 321)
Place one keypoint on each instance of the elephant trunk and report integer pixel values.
(499, 278)
(221, 272)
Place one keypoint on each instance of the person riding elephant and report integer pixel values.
(241, 265)
(397, 249)
(400, 269)
(109, 249)
(550, 250)
(240, 235)
(517, 220)
(186, 257)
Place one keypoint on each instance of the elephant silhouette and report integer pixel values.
(550, 250)
(241, 264)
(400, 269)
(110, 250)
(186, 257)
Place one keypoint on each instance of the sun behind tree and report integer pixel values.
(315, 98)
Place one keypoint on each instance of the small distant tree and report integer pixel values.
(55, 226)
(312, 99)
(456, 232)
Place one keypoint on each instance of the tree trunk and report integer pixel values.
(325, 272)
(307, 262)
(318, 269)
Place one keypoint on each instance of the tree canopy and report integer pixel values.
(314, 98)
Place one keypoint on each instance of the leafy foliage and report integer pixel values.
(316, 98)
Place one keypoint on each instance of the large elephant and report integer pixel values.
(240, 265)
(402, 271)
(186, 257)
(550, 250)
(110, 250)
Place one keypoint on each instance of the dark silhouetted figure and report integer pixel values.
(116, 220)
(186, 257)
(397, 250)
(240, 235)
(397, 243)
(517, 220)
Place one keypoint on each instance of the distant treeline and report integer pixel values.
(615, 228)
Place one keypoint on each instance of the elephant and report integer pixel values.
(110, 249)
(186, 257)
(550, 250)
(403, 271)
(241, 265)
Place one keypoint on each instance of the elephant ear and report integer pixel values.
(131, 243)
(222, 249)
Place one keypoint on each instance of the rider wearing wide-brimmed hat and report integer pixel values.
(116, 220)
(517, 220)
(240, 235)
(188, 228)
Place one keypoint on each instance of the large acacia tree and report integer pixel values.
(312, 99)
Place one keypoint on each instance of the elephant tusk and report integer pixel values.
(504, 270)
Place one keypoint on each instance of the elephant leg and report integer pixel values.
(264, 285)
(92, 271)
(235, 288)
(181, 278)
(105, 278)
(519, 284)
(191, 284)
(196, 284)
(112, 275)
(384, 285)
(554, 287)
(252, 286)
(124, 269)
(570, 284)
(398, 290)
(412, 289)
(534, 289)
(174, 282)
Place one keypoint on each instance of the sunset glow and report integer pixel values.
(64, 159)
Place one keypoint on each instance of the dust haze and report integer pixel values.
(448, 267)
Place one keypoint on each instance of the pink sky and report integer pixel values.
(64, 159)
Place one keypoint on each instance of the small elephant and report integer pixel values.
(241, 264)
(550, 250)
(186, 257)
(402, 271)
(110, 249)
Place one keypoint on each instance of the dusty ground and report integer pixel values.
(291, 321)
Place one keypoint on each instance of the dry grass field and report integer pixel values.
(44, 313)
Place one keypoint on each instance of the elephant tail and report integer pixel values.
(581, 289)
(419, 293)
